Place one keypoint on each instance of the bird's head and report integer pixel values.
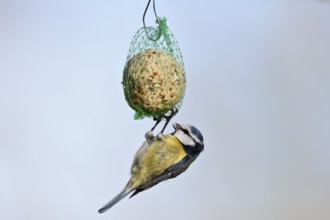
(190, 137)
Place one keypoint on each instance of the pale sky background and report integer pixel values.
(258, 75)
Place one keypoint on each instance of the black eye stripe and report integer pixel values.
(185, 131)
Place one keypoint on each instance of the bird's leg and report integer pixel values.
(167, 120)
(149, 135)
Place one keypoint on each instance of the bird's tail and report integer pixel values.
(113, 201)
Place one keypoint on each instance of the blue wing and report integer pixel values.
(169, 173)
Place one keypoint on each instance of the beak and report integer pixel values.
(176, 126)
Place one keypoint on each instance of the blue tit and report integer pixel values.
(161, 158)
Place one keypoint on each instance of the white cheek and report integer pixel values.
(196, 139)
(185, 139)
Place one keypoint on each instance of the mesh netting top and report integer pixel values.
(166, 43)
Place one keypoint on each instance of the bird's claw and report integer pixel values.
(160, 136)
(149, 135)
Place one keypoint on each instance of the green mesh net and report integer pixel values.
(154, 79)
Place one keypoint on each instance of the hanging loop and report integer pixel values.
(158, 21)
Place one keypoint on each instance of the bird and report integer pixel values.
(161, 158)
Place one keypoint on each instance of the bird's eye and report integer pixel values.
(185, 131)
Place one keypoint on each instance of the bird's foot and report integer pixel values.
(149, 135)
(160, 136)
(168, 118)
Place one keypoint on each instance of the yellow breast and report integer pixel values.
(159, 156)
